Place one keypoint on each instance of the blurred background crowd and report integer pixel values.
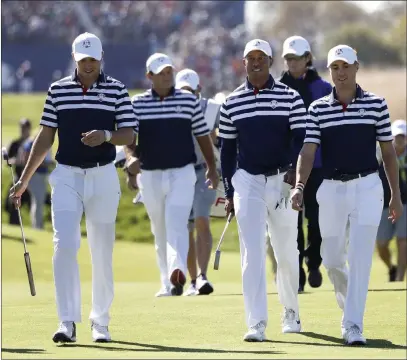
(207, 36)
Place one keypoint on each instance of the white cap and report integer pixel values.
(87, 45)
(399, 127)
(295, 45)
(157, 62)
(257, 44)
(342, 52)
(187, 77)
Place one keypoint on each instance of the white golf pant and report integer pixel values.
(361, 202)
(255, 200)
(168, 196)
(96, 192)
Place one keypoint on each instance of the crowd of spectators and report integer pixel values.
(39, 21)
(207, 36)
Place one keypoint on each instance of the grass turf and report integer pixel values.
(143, 326)
(132, 221)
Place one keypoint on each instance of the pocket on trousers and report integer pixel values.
(370, 206)
(104, 204)
(328, 210)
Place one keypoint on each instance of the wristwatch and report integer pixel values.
(108, 135)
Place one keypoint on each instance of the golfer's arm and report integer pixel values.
(391, 167)
(206, 145)
(122, 136)
(305, 162)
(214, 137)
(42, 144)
(130, 150)
(228, 155)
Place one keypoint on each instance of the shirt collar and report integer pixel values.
(334, 98)
(154, 93)
(269, 84)
(101, 78)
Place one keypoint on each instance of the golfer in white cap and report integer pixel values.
(188, 79)
(262, 128)
(91, 112)
(168, 119)
(351, 189)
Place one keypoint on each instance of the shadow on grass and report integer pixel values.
(310, 292)
(371, 343)
(23, 351)
(163, 348)
(14, 238)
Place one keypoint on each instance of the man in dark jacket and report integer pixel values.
(302, 77)
(16, 161)
(387, 230)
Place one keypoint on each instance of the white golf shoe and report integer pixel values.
(164, 291)
(191, 291)
(203, 285)
(353, 336)
(66, 333)
(100, 333)
(256, 333)
(291, 322)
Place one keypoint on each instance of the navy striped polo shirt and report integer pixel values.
(166, 127)
(263, 129)
(348, 135)
(105, 106)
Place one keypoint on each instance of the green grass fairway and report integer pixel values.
(143, 326)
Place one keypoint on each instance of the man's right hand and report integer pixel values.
(16, 192)
(229, 206)
(132, 168)
(297, 199)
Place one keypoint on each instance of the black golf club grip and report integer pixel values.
(29, 273)
(4, 154)
(217, 260)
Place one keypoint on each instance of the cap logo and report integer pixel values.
(101, 97)
(273, 104)
(361, 112)
(257, 43)
(185, 77)
(338, 52)
(161, 59)
(292, 43)
(86, 43)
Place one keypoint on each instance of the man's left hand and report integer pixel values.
(289, 177)
(93, 138)
(212, 177)
(395, 209)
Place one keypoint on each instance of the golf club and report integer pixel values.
(26, 254)
(217, 253)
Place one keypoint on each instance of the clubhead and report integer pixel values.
(4, 154)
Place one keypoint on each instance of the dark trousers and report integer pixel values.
(312, 253)
(12, 211)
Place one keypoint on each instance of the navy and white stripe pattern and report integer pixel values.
(166, 127)
(348, 135)
(105, 106)
(264, 129)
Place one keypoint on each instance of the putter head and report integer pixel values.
(217, 260)
(4, 154)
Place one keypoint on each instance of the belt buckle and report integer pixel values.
(343, 177)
